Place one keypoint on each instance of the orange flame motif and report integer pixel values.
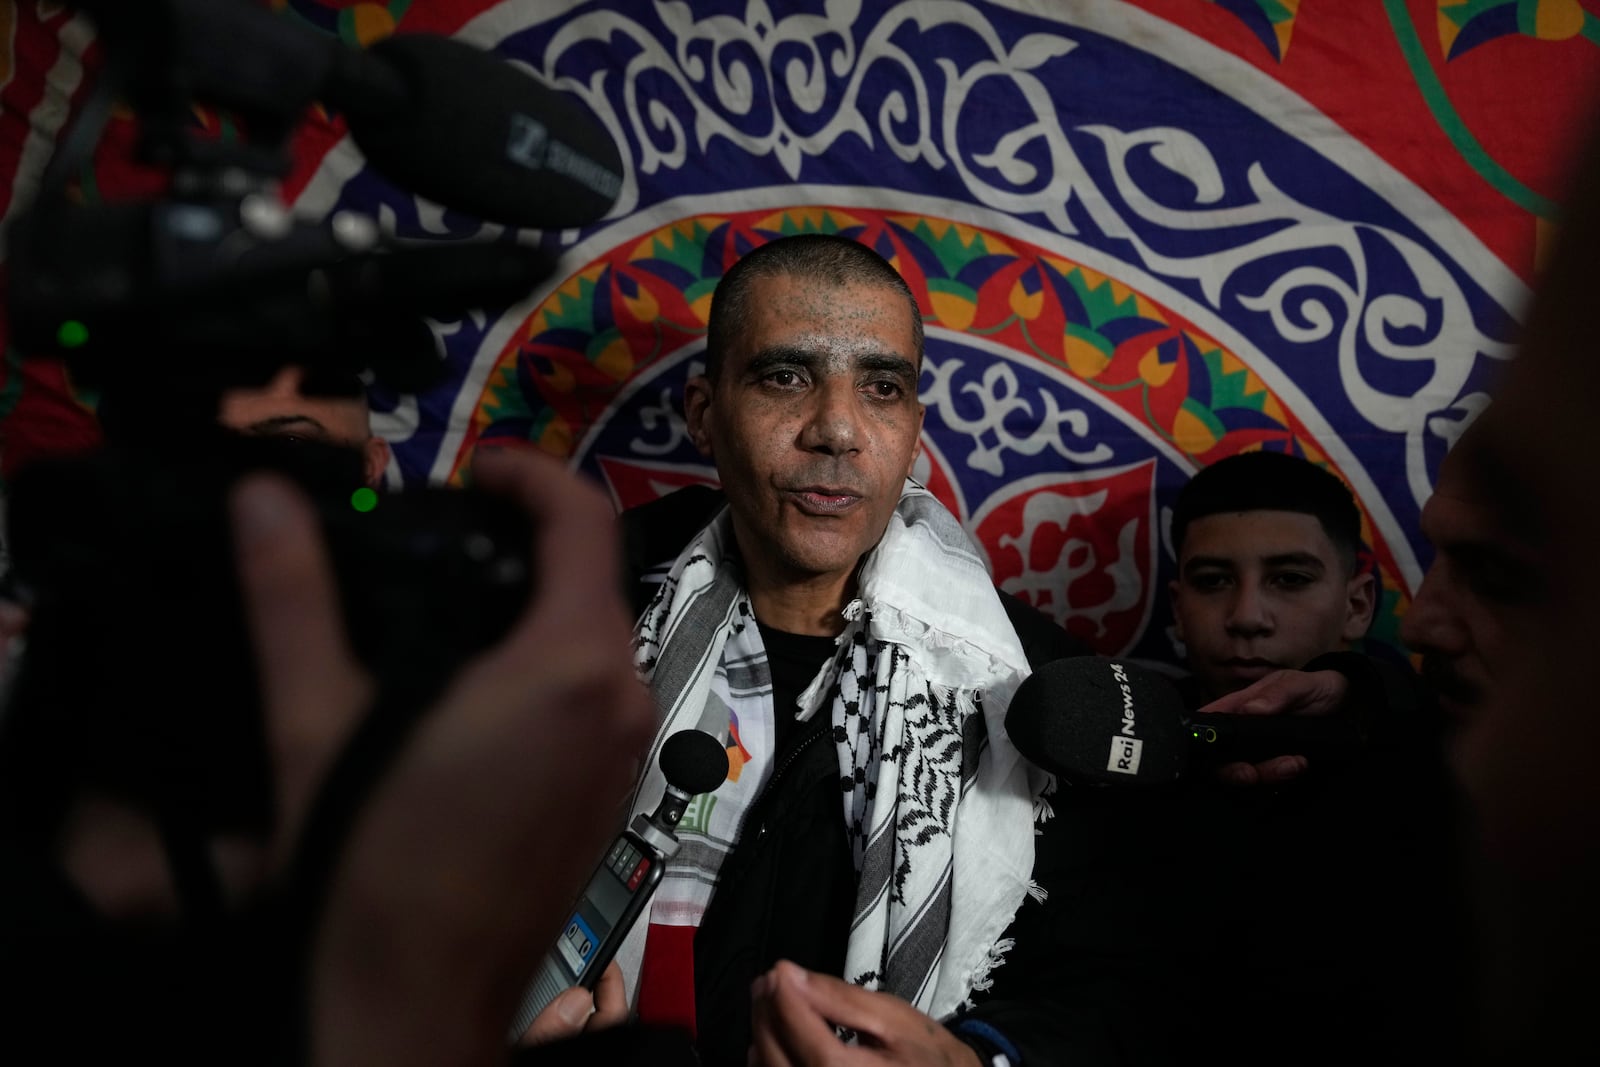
(738, 755)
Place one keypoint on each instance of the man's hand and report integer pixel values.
(1279, 693)
(463, 861)
(795, 1011)
(577, 1010)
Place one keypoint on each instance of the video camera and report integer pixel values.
(137, 679)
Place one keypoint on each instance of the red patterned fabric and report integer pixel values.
(1144, 235)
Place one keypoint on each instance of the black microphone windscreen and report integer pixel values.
(443, 280)
(475, 133)
(1099, 721)
(694, 761)
(1325, 740)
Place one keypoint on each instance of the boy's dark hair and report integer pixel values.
(824, 258)
(1271, 481)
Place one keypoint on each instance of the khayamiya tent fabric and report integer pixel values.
(1144, 235)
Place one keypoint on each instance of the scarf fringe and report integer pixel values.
(983, 976)
(979, 668)
(1042, 811)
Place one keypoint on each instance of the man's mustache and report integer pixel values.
(832, 479)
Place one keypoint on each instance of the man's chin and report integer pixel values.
(823, 548)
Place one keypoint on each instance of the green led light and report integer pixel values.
(72, 334)
(364, 499)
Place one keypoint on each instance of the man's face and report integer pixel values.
(813, 424)
(280, 409)
(1474, 596)
(1259, 591)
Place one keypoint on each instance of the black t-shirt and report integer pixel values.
(794, 660)
(787, 890)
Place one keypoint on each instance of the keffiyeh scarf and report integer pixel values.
(940, 805)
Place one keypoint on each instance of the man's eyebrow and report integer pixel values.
(1296, 559)
(771, 359)
(282, 422)
(1503, 492)
(888, 361)
(1195, 563)
(1308, 560)
(1487, 552)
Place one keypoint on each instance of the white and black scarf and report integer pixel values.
(940, 815)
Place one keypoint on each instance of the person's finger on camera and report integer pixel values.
(313, 691)
(479, 837)
(572, 522)
(577, 621)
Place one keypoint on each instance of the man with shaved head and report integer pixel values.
(868, 865)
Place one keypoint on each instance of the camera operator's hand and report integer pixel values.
(460, 865)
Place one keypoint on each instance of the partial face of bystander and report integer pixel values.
(1485, 578)
(282, 408)
(1262, 591)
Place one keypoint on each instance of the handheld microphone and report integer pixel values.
(693, 762)
(1093, 721)
(466, 129)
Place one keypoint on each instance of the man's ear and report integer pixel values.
(697, 412)
(376, 452)
(916, 445)
(1361, 601)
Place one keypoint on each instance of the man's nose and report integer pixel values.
(1432, 623)
(1248, 614)
(833, 421)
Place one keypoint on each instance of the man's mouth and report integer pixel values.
(824, 499)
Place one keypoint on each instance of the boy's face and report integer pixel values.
(1260, 591)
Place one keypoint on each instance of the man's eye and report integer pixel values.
(280, 435)
(885, 390)
(1502, 584)
(1293, 580)
(1497, 577)
(786, 378)
(1208, 582)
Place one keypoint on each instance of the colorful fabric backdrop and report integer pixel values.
(1145, 235)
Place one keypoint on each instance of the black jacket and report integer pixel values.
(1330, 913)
